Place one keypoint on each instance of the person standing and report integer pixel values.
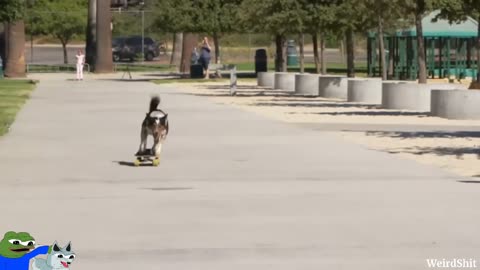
(80, 63)
(205, 56)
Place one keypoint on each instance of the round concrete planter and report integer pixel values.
(306, 84)
(284, 81)
(365, 90)
(331, 86)
(456, 104)
(265, 79)
(411, 96)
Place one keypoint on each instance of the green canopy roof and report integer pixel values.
(442, 28)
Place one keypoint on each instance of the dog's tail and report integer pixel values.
(154, 102)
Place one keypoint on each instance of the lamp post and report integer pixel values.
(142, 5)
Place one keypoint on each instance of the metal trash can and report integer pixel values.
(196, 70)
(292, 55)
(261, 61)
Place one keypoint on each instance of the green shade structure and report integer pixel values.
(449, 50)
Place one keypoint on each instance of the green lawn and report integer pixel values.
(332, 68)
(188, 80)
(13, 94)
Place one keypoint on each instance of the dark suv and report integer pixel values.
(130, 47)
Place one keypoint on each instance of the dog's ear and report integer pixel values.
(55, 247)
(68, 247)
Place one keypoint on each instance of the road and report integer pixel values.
(52, 55)
(234, 190)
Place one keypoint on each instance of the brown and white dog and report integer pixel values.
(155, 124)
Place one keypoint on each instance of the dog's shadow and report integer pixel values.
(131, 164)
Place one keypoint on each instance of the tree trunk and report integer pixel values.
(4, 44)
(322, 54)
(189, 42)
(104, 61)
(350, 54)
(382, 48)
(15, 50)
(315, 53)
(177, 51)
(90, 47)
(284, 55)
(216, 43)
(422, 68)
(302, 54)
(279, 55)
(65, 54)
(478, 51)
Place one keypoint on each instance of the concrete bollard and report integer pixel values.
(411, 96)
(265, 79)
(333, 86)
(365, 90)
(284, 81)
(307, 84)
(456, 104)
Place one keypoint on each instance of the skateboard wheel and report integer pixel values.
(136, 163)
(156, 162)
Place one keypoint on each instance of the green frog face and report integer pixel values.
(15, 245)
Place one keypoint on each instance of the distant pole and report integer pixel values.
(143, 35)
(143, 29)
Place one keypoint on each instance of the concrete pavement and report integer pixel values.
(234, 190)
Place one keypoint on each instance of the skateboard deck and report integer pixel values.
(146, 157)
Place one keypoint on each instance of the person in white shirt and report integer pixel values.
(80, 62)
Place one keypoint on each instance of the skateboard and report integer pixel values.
(146, 157)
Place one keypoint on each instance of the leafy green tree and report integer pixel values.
(350, 18)
(318, 20)
(460, 10)
(383, 15)
(418, 9)
(276, 17)
(61, 19)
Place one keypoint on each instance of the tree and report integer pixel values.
(12, 12)
(104, 61)
(177, 49)
(277, 17)
(418, 8)
(174, 17)
(61, 19)
(460, 10)
(91, 34)
(215, 17)
(382, 14)
(350, 19)
(318, 22)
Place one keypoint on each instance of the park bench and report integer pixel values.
(218, 68)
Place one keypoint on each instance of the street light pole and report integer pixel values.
(143, 30)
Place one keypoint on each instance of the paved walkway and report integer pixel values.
(234, 190)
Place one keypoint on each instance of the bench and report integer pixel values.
(217, 68)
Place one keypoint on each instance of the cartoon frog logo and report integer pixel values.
(16, 250)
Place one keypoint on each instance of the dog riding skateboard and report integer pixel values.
(146, 157)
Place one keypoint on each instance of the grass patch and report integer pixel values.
(119, 67)
(143, 67)
(13, 94)
(188, 80)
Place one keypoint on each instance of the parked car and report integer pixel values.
(131, 47)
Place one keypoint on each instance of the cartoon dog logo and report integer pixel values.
(59, 258)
